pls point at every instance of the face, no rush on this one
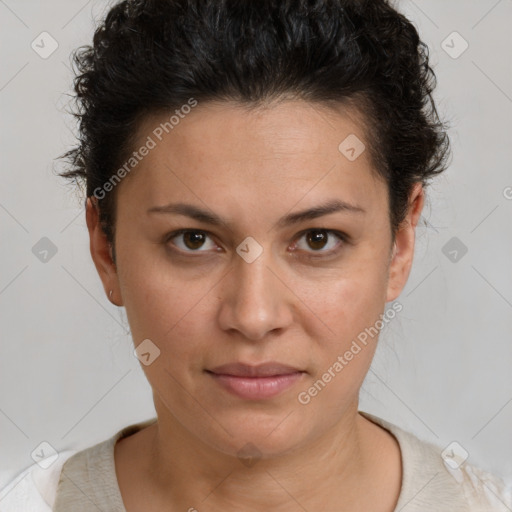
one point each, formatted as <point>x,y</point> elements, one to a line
<point>250,281</point>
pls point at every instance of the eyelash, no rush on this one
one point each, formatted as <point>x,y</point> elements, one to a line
<point>320,254</point>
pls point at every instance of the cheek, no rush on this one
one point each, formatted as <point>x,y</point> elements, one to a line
<point>155,297</point>
<point>169,320</point>
<point>351,306</point>
<point>175,309</point>
<point>350,299</point>
<point>352,309</point>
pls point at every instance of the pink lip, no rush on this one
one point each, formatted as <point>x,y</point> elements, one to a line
<point>256,382</point>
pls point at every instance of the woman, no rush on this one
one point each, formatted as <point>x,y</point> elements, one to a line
<point>255,172</point>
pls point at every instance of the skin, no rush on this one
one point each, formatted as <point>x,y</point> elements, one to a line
<point>211,307</point>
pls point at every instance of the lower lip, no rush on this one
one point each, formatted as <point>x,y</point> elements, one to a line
<point>257,388</point>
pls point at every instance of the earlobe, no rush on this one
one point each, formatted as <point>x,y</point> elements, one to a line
<point>101,250</point>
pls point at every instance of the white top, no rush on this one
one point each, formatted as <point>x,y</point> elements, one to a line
<point>85,481</point>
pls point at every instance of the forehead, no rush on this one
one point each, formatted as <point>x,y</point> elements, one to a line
<point>290,148</point>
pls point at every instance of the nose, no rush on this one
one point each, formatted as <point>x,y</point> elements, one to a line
<point>255,300</point>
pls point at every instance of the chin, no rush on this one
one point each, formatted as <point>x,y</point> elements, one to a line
<point>257,435</point>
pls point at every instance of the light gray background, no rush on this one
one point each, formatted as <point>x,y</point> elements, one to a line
<point>443,367</point>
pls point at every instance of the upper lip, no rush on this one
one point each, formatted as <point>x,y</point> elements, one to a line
<point>260,370</point>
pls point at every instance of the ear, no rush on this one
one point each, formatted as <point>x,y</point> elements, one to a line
<point>403,249</point>
<point>101,252</point>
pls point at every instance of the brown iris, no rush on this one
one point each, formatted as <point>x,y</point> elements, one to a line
<point>317,238</point>
<point>193,239</point>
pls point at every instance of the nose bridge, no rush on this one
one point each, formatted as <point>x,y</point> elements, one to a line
<point>255,302</point>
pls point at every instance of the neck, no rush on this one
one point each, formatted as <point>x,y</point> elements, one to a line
<point>194,475</point>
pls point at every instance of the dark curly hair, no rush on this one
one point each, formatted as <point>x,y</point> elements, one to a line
<point>152,56</point>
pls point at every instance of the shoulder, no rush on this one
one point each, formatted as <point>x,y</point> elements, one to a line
<point>90,476</point>
<point>485,489</point>
<point>440,478</point>
<point>35,487</point>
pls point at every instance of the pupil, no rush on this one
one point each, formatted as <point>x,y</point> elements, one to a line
<point>193,240</point>
<point>316,237</point>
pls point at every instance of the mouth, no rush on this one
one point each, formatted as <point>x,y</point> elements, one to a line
<point>256,382</point>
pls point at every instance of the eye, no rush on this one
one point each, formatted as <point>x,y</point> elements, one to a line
<point>191,240</point>
<point>319,239</point>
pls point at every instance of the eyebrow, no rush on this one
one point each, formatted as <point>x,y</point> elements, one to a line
<point>201,215</point>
